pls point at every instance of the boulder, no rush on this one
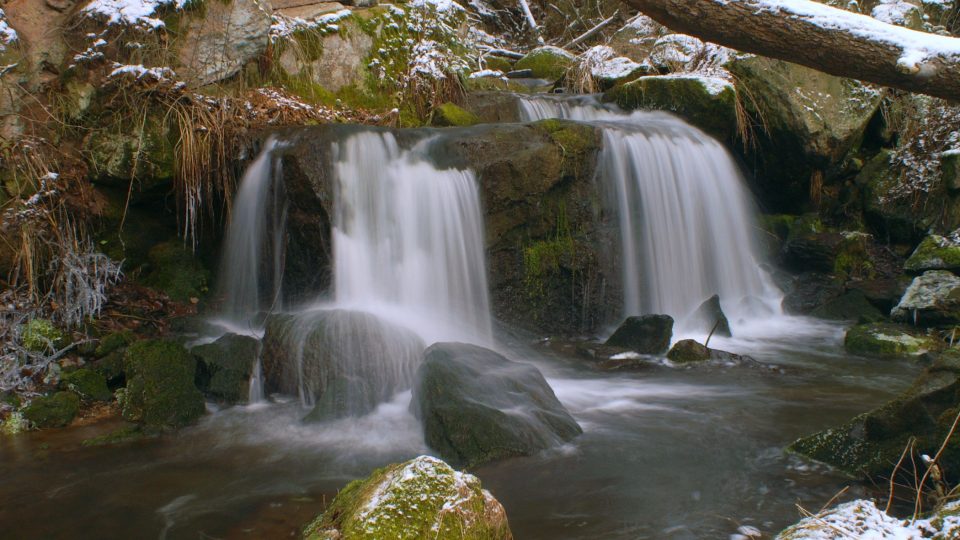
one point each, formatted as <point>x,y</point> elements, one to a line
<point>422,498</point>
<point>808,292</point>
<point>886,211</point>
<point>55,410</point>
<point>706,102</point>
<point>477,406</point>
<point>646,334</point>
<point>689,352</point>
<point>160,388</point>
<point>709,317</point>
<point>885,340</point>
<point>145,151</point>
<point>88,384</point>
<point>450,115</point>
<point>113,342</point>
<point>871,444</point>
<point>224,367</point>
<point>546,62</point>
<point>332,60</point>
<point>852,305</point>
<point>882,292</point>
<point>932,299</point>
<point>217,45</point>
<point>344,362</point>
<point>934,253</point>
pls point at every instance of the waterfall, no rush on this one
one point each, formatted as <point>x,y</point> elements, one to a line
<point>252,265</point>
<point>408,239</point>
<point>685,216</point>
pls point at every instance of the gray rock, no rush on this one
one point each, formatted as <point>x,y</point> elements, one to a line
<point>646,334</point>
<point>217,45</point>
<point>931,299</point>
<point>477,406</point>
<point>224,367</point>
<point>709,314</point>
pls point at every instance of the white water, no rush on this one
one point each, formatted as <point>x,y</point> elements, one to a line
<point>408,240</point>
<point>686,219</point>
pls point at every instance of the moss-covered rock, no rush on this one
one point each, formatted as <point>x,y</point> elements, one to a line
<point>114,342</point>
<point>142,153</point>
<point>40,335</point>
<point>225,367</point>
<point>706,102</point>
<point>88,384</point>
<point>892,215</point>
<point>177,272</point>
<point>422,498</point>
<point>160,385</point>
<point>886,340</point>
<point>932,299</point>
<point>934,253</point>
<point>546,62</point>
<point>688,350</point>
<point>450,114</point>
<point>55,410</point>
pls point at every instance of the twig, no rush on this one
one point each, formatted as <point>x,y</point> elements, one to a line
<point>712,330</point>
<point>591,32</point>
<point>934,463</point>
<point>893,475</point>
<point>531,21</point>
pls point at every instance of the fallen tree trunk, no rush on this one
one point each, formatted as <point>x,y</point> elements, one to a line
<point>820,37</point>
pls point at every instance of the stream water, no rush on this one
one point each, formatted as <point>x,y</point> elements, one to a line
<point>665,453</point>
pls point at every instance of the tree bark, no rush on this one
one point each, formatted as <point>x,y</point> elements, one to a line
<point>818,36</point>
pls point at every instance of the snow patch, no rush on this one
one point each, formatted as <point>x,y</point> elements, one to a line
<point>7,34</point>
<point>131,12</point>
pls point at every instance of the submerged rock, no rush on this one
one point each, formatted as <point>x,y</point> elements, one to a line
<point>862,519</point>
<point>871,444</point>
<point>55,410</point>
<point>934,253</point>
<point>160,388</point>
<point>886,340</point>
<point>546,62</point>
<point>931,299</point>
<point>225,367</point>
<point>477,406</point>
<point>346,362</point>
<point>688,352</point>
<point>646,334</point>
<point>422,498</point>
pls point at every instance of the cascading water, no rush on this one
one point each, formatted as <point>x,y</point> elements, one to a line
<point>685,217</point>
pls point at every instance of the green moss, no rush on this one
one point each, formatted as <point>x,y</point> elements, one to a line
<point>449,114</point>
<point>546,62</point>
<point>118,436</point>
<point>160,385</point>
<point>225,367</point>
<point>39,335</point>
<point>56,410</point>
<point>498,63</point>
<point>14,423</point>
<point>88,384</point>
<point>544,258</point>
<point>114,341</point>
<point>688,350</point>
<point>175,271</point>
<point>886,340</point>
<point>853,258</point>
<point>934,253</point>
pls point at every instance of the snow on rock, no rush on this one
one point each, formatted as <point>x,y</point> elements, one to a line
<point>140,72</point>
<point>715,85</point>
<point>131,12</point>
<point>7,34</point>
<point>862,519</point>
<point>284,26</point>
<point>918,50</point>
<point>487,73</point>
<point>896,12</point>
<point>603,63</point>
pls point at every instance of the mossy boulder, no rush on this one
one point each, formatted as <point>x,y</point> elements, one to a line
<point>934,253</point>
<point>871,444</point>
<point>160,388</point>
<point>932,299</point>
<point>706,102</point>
<point>55,410</point>
<point>142,153</point>
<point>469,401</point>
<point>546,62</point>
<point>113,342</point>
<point>852,305</point>
<point>176,271</point>
<point>87,383</point>
<point>40,335</point>
<point>422,498</point>
<point>646,334</point>
<point>450,114</point>
<point>688,350</point>
<point>885,340</point>
<point>225,367</point>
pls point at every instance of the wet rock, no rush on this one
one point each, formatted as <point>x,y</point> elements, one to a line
<point>477,406</point>
<point>449,114</point>
<point>646,334</point>
<point>706,102</point>
<point>349,361</point>
<point>870,444</point>
<point>217,45</point>
<point>160,388</point>
<point>934,253</point>
<point>883,293</point>
<point>850,306</point>
<point>887,340</point>
<point>688,350</point>
<point>55,410</point>
<point>932,299</point>
<point>88,384</point>
<point>710,317</point>
<point>546,62</point>
<point>494,107</point>
<point>810,291</point>
<point>225,366</point>
<point>422,498</point>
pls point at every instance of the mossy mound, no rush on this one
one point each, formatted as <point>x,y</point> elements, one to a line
<point>934,253</point>
<point>225,367</point>
<point>688,350</point>
<point>177,272</point>
<point>546,62</point>
<point>449,115</point>
<point>55,410</point>
<point>886,340</point>
<point>40,335</point>
<point>160,385</point>
<point>113,342</point>
<point>88,384</point>
<point>422,498</point>
<point>705,102</point>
